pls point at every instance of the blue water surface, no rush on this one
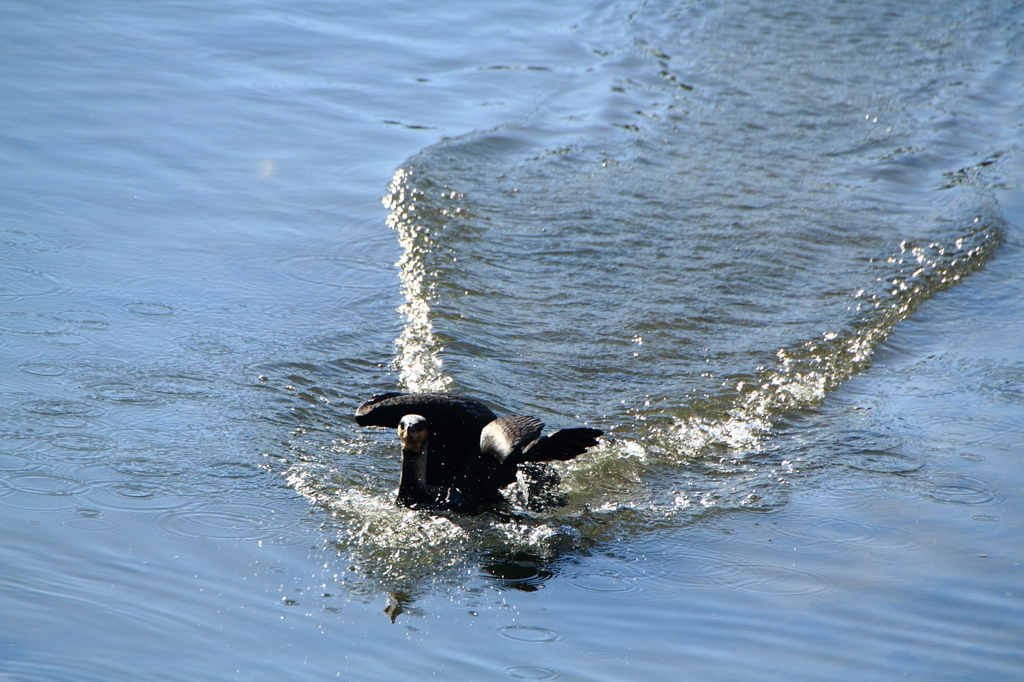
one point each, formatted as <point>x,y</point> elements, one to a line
<point>773,250</point>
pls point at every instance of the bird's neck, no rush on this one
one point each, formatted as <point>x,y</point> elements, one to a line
<point>412,487</point>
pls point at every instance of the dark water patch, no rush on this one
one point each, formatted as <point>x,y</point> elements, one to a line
<point>520,572</point>
<point>306,395</point>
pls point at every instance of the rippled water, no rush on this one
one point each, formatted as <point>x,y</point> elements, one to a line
<point>772,250</point>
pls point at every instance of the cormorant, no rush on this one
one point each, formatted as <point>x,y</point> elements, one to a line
<point>457,454</point>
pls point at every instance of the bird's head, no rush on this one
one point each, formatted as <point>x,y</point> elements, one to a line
<point>413,432</point>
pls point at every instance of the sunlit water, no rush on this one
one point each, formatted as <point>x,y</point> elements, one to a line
<point>772,250</point>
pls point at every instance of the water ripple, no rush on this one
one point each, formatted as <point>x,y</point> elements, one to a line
<point>27,242</point>
<point>53,407</point>
<point>9,462</point>
<point>91,520</point>
<point>602,655</point>
<point>235,470</point>
<point>151,309</point>
<point>975,430</point>
<point>701,570</point>
<point>86,319</point>
<point>776,579</point>
<point>42,491</point>
<point>39,483</point>
<point>841,531</point>
<point>180,384</point>
<point>82,442</point>
<point>42,369</point>
<point>604,582</point>
<point>882,462</point>
<point>136,496</point>
<point>120,392</point>
<point>529,634</point>
<point>531,673</point>
<point>958,489</point>
<point>19,282</point>
<point>104,171</point>
<point>32,324</point>
<point>146,466</point>
<point>330,271</point>
<point>221,521</point>
<point>877,452</point>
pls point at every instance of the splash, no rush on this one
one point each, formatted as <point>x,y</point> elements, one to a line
<point>806,373</point>
<point>418,360</point>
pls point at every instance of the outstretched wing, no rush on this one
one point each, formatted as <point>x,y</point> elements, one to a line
<point>562,445</point>
<point>505,439</point>
<point>516,439</point>
<point>387,409</point>
<point>454,421</point>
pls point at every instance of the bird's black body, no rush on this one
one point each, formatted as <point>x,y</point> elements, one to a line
<point>469,453</point>
<point>455,425</point>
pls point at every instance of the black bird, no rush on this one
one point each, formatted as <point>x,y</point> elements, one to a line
<point>457,454</point>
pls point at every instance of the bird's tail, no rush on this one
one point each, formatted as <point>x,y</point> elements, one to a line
<point>562,445</point>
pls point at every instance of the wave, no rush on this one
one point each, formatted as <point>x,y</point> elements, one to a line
<point>721,244</point>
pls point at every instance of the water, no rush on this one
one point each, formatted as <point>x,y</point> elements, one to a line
<point>775,253</point>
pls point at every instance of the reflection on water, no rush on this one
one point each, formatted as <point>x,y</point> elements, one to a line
<point>519,571</point>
